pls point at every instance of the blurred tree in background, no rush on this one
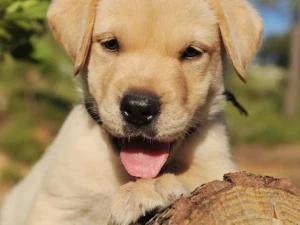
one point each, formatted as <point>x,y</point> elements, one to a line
<point>291,94</point>
<point>36,91</point>
<point>20,23</point>
<point>274,50</point>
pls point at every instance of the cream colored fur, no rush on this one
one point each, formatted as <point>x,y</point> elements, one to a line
<point>80,180</point>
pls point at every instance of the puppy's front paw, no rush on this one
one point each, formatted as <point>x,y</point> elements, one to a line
<point>135,199</point>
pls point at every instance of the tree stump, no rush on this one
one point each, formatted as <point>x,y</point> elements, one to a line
<point>241,198</point>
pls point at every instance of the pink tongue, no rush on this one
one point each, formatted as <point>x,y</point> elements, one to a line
<point>142,159</point>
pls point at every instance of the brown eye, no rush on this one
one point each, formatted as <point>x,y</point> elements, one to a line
<point>191,52</point>
<point>111,45</point>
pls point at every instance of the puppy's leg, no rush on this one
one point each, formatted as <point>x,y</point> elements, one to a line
<point>134,199</point>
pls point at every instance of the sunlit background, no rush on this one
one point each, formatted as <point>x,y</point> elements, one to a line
<point>37,90</point>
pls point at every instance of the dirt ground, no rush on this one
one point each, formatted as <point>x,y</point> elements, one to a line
<point>279,161</point>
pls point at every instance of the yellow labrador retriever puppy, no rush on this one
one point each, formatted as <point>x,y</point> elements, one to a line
<point>151,127</point>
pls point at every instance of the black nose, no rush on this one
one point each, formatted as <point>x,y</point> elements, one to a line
<point>140,108</point>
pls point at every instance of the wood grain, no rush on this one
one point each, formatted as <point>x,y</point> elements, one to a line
<point>241,198</point>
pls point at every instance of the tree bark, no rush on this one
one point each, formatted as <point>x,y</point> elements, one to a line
<point>291,93</point>
<point>240,198</point>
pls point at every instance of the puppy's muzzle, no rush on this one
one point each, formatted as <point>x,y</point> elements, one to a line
<point>140,109</point>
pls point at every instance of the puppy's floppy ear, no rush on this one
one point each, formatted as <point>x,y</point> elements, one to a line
<point>241,29</point>
<point>72,23</point>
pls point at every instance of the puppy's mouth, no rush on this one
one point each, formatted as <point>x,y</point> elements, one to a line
<point>142,157</point>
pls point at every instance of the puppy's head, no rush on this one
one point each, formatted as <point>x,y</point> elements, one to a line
<point>153,69</point>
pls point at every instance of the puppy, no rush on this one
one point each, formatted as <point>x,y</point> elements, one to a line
<point>151,127</point>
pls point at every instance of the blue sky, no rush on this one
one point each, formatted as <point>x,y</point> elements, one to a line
<point>276,20</point>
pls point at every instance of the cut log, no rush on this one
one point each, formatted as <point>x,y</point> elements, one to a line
<point>241,198</point>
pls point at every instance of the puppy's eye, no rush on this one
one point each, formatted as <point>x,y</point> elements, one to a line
<point>111,45</point>
<point>191,52</point>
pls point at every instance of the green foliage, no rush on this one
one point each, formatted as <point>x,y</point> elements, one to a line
<point>11,175</point>
<point>20,21</point>
<point>34,100</point>
<point>20,143</point>
<point>262,97</point>
<point>275,50</point>
<point>295,2</point>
